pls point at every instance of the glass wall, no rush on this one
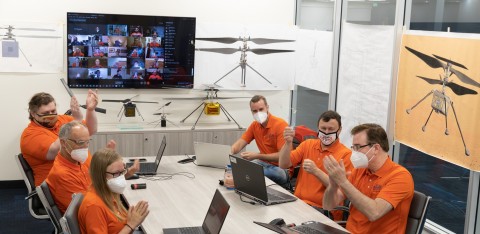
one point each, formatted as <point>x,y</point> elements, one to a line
<point>446,183</point>
<point>444,15</point>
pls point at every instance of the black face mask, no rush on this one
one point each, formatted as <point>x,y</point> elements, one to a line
<point>47,121</point>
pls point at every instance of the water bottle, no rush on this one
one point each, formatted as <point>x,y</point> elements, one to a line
<point>228,178</point>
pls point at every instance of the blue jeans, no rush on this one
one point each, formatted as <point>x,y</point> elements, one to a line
<point>276,174</point>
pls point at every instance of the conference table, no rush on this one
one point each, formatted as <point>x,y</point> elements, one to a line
<point>180,194</point>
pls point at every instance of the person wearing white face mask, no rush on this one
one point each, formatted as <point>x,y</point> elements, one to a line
<point>312,178</point>
<point>69,173</point>
<point>101,210</point>
<point>267,131</point>
<point>380,191</point>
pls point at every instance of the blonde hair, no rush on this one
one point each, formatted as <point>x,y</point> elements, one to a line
<point>98,168</point>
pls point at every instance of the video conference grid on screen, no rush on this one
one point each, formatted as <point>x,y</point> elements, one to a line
<point>130,51</point>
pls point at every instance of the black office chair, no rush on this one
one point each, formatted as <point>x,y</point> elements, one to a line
<point>52,209</point>
<point>293,178</point>
<point>418,213</point>
<point>34,204</point>
<point>69,221</point>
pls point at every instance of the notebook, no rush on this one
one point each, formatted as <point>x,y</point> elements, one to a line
<point>211,155</point>
<point>313,227</point>
<point>250,182</point>
<point>214,219</point>
<point>150,168</point>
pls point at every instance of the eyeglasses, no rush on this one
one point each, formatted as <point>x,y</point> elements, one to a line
<point>358,147</point>
<point>117,174</point>
<point>80,142</point>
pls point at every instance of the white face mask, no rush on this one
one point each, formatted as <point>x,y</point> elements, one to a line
<point>260,117</point>
<point>327,139</point>
<point>80,155</point>
<point>117,184</point>
<point>360,160</point>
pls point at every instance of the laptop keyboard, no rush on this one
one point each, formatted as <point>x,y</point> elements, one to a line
<point>145,167</point>
<point>274,195</point>
<point>191,230</point>
<point>308,230</point>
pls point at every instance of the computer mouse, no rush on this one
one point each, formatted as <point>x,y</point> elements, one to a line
<point>278,222</point>
<point>133,177</point>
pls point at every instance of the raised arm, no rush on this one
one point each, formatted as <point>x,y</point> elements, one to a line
<point>238,146</point>
<point>284,153</point>
<point>91,117</point>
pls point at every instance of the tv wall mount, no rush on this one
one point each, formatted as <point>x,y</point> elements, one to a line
<point>243,53</point>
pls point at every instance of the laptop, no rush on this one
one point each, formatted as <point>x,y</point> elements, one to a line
<point>150,168</point>
<point>250,182</point>
<point>313,227</point>
<point>214,219</point>
<point>211,155</point>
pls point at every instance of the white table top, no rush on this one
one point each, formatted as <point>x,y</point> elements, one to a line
<point>183,202</point>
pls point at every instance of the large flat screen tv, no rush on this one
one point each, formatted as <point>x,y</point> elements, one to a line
<point>130,51</point>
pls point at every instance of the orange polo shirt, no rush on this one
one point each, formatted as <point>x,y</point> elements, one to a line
<point>95,217</point>
<point>269,139</point>
<point>308,187</point>
<point>34,144</point>
<point>66,178</point>
<point>394,184</point>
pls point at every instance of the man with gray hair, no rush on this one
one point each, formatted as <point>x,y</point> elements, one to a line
<point>69,173</point>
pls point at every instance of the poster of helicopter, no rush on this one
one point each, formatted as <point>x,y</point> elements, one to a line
<point>31,47</point>
<point>244,57</point>
<point>437,98</point>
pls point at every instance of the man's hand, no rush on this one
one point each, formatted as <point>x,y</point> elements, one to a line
<point>310,166</point>
<point>75,109</point>
<point>249,155</point>
<point>136,214</point>
<point>133,169</point>
<point>336,171</point>
<point>92,100</point>
<point>112,144</point>
<point>288,134</point>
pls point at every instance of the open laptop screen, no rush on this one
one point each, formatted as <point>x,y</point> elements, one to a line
<point>216,214</point>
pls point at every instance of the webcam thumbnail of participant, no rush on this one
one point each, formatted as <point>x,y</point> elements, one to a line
<point>136,53</point>
<point>97,63</point>
<point>155,52</point>
<point>77,73</point>
<point>136,31</point>
<point>98,51</point>
<point>154,63</point>
<point>98,73</point>
<point>117,30</point>
<point>136,74</point>
<point>77,51</point>
<point>117,51</point>
<point>117,62</point>
<point>117,41</point>
<point>136,41</point>
<point>77,62</point>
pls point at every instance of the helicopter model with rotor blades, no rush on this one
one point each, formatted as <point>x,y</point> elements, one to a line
<point>129,107</point>
<point>441,101</point>
<point>243,55</point>
<point>210,104</point>
<point>11,47</point>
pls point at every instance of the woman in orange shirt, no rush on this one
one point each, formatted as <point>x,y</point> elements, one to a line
<point>101,210</point>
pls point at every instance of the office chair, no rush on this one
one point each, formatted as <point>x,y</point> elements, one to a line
<point>52,209</point>
<point>69,221</point>
<point>34,204</point>
<point>418,213</point>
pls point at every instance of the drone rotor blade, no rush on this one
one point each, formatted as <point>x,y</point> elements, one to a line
<point>460,90</point>
<point>226,40</point>
<point>429,60</point>
<point>186,98</point>
<point>262,41</point>
<point>450,61</point>
<point>144,102</point>
<point>111,100</point>
<point>35,36</point>
<point>268,51</point>
<point>464,78</point>
<point>430,81</point>
<point>219,50</point>
<point>36,29</point>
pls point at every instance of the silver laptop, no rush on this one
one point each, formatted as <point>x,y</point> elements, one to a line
<point>150,168</point>
<point>211,155</point>
<point>214,219</point>
<point>249,181</point>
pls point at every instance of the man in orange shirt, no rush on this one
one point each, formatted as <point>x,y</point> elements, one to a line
<point>69,173</point>
<point>267,131</point>
<point>380,191</point>
<point>312,178</point>
<point>39,142</point>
